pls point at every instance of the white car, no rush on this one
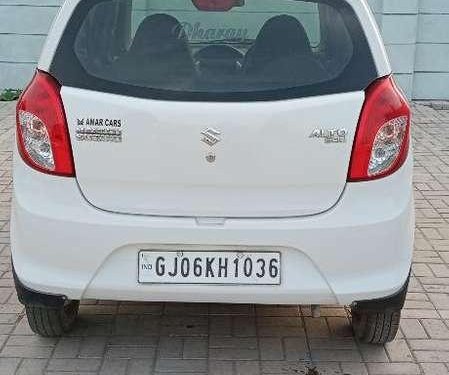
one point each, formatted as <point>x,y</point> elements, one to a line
<point>229,151</point>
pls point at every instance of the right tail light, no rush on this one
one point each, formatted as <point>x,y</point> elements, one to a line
<point>382,139</point>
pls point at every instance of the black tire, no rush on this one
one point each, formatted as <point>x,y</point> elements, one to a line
<point>51,321</point>
<point>375,327</point>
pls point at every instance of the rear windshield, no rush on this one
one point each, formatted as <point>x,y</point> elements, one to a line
<point>214,49</point>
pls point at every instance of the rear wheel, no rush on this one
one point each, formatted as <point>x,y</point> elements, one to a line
<point>377,321</point>
<point>375,327</point>
<point>52,321</point>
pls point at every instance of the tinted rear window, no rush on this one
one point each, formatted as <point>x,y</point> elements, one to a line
<point>256,50</point>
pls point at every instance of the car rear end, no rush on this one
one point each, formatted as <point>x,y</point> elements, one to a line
<point>228,151</point>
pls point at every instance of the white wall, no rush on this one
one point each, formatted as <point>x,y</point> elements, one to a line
<point>23,27</point>
<point>416,33</point>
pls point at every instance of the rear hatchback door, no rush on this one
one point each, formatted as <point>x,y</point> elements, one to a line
<point>243,112</point>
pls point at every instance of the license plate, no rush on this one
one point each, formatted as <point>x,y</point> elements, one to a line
<point>201,267</point>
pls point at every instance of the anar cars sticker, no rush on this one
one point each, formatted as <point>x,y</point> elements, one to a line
<point>99,130</point>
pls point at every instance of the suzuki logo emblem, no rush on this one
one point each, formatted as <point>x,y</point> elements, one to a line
<point>211,136</point>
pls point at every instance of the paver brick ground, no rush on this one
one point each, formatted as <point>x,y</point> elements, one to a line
<point>156,338</point>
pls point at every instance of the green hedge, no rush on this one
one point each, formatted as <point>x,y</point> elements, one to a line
<point>9,95</point>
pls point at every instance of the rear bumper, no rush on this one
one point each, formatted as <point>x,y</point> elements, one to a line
<point>359,250</point>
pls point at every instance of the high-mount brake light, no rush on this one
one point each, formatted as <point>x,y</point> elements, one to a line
<point>382,139</point>
<point>42,135</point>
<point>216,5</point>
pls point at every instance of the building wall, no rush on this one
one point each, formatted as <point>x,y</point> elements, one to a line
<point>416,34</point>
<point>431,79</point>
<point>23,27</point>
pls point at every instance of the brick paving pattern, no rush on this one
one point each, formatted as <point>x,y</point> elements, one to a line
<point>155,338</point>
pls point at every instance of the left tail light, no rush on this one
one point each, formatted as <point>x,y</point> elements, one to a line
<point>42,134</point>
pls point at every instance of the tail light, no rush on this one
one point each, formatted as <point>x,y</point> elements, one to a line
<point>42,134</point>
<point>382,140</point>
